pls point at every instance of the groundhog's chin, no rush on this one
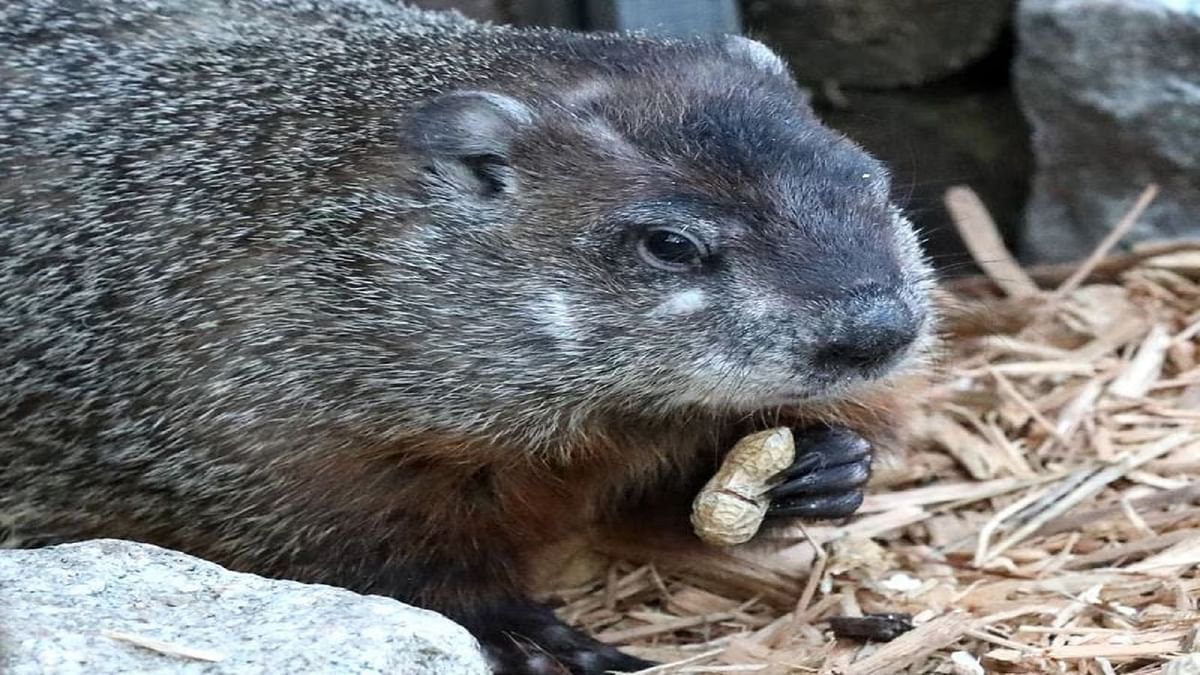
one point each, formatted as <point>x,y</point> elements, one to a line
<point>817,389</point>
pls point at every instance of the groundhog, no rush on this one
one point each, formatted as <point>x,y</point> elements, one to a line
<point>347,292</point>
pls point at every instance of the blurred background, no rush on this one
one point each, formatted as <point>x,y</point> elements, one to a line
<point>1057,113</point>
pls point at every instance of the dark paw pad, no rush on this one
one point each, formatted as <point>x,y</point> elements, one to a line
<point>530,640</point>
<point>827,479</point>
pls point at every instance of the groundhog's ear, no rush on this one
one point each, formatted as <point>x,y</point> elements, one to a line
<point>468,136</point>
<point>755,53</point>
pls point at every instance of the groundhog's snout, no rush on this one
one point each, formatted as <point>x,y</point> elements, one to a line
<point>873,330</point>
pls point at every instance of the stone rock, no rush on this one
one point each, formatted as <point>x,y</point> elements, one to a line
<point>109,606</point>
<point>878,43</point>
<point>1112,91</point>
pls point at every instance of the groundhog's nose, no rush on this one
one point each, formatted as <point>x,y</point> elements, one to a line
<point>877,326</point>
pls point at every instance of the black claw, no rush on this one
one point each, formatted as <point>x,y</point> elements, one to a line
<point>841,478</point>
<point>530,640</point>
<point>804,465</point>
<point>832,466</point>
<point>837,505</point>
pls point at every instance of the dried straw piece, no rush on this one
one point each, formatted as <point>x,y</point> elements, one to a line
<point>1087,488</point>
<point>1119,230</point>
<point>1146,367</point>
<point>983,240</point>
<point>914,646</point>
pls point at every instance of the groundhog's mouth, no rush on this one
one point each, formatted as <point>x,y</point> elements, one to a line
<point>782,401</point>
<point>817,387</point>
<point>829,389</point>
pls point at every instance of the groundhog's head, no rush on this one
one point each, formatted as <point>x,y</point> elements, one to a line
<point>669,227</point>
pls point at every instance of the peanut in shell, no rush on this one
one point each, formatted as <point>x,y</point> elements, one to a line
<point>730,508</point>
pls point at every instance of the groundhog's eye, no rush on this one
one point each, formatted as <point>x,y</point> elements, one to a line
<point>672,250</point>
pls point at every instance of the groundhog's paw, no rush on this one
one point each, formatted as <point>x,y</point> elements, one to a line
<point>827,479</point>
<point>531,640</point>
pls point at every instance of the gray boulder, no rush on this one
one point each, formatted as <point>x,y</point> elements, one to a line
<point>110,606</point>
<point>1112,91</point>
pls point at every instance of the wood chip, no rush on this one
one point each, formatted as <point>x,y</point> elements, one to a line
<point>913,647</point>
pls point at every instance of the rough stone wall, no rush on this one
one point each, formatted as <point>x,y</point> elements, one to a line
<point>1112,90</point>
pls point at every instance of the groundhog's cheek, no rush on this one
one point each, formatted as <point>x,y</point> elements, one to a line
<point>682,303</point>
<point>557,316</point>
